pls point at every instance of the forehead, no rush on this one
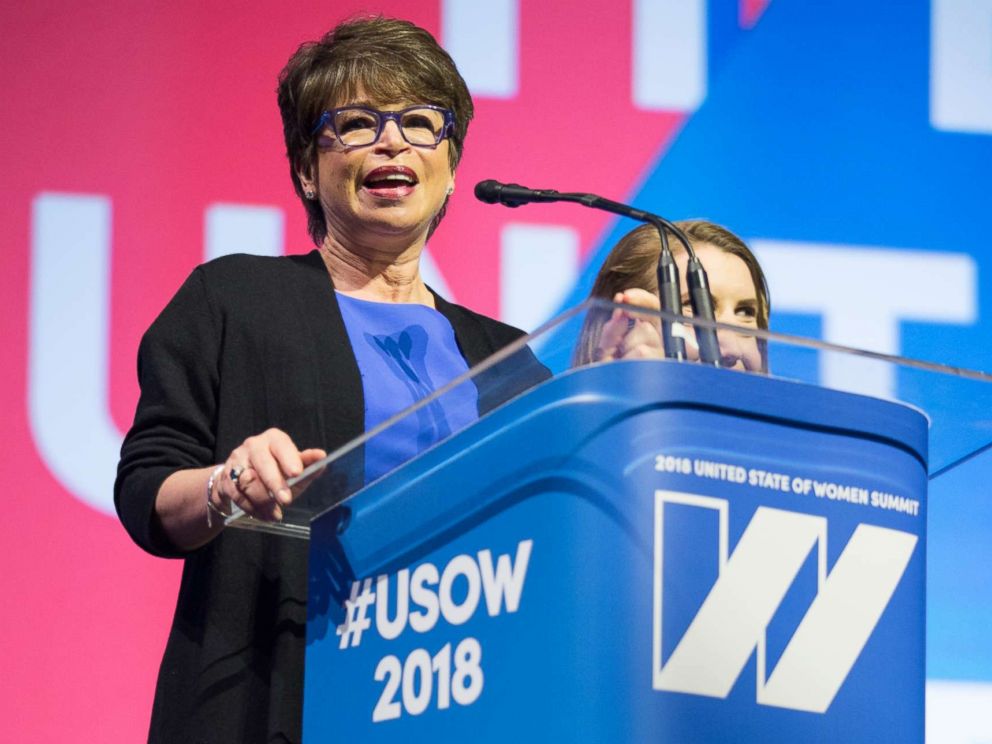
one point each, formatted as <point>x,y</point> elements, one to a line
<point>376,105</point>
<point>728,273</point>
<point>357,93</point>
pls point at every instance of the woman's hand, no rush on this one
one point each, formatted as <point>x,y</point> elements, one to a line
<point>190,504</point>
<point>628,335</point>
<point>255,474</point>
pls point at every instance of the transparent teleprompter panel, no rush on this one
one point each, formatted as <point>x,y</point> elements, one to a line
<point>958,402</point>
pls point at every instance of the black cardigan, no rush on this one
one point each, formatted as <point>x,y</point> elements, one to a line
<point>249,343</point>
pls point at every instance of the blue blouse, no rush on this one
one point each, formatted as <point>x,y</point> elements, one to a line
<point>405,352</point>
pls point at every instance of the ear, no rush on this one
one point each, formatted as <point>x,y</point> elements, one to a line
<point>307,180</point>
<point>306,171</point>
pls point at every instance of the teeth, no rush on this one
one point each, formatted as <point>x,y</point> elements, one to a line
<point>393,177</point>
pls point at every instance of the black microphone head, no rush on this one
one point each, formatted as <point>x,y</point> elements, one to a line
<point>488,191</point>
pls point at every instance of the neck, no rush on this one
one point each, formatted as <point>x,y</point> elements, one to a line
<point>376,275</point>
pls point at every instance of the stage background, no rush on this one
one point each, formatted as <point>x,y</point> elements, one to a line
<point>141,138</point>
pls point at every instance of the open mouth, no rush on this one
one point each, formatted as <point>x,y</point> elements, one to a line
<point>390,181</point>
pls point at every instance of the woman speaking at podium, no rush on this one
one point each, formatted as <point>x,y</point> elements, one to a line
<point>258,366</point>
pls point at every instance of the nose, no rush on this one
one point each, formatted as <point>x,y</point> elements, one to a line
<point>731,348</point>
<point>391,138</point>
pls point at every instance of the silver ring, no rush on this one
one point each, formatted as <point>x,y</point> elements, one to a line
<point>235,473</point>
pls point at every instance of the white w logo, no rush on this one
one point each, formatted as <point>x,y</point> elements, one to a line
<point>753,581</point>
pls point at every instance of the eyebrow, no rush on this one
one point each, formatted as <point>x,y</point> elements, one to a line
<point>377,106</point>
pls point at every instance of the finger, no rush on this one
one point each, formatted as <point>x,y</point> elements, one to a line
<point>640,298</point>
<point>309,457</point>
<point>644,351</point>
<point>253,498</point>
<point>246,476</point>
<point>265,510</point>
<point>251,487</point>
<point>647,332</point>
<point>234,476</point>
<point>285,453</point>
<point>270,476</point>
<point>642,334</point>
<point>238,474</point>
<point>240,484</point>
<point>242,501</point>
<point>613,331</point>
<point>646,301</point>
<point>274,456</point>
<point>312,455</point>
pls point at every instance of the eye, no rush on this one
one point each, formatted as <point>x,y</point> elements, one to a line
<point>418,121</point>
<point>423,120</point>
<point>747,312</point>
<point>353,121</point>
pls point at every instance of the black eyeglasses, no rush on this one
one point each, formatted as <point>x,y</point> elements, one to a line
<point>358,126</point>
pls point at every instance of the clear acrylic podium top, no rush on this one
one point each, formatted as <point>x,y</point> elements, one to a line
<point>957,402</point>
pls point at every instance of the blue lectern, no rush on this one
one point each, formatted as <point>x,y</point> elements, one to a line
<point>633,552</point>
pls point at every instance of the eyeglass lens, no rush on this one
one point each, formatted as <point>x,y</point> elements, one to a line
<point>419,126</point>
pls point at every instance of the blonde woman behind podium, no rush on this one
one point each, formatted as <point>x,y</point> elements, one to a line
<point>628,276</point>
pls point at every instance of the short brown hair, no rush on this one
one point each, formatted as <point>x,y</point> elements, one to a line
<point>388,60</point>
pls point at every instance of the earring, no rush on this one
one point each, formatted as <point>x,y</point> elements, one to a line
<point>310,194</point>
<point>450,191</point>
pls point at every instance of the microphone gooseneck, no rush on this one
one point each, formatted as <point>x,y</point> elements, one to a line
<point>669,296</point>
<point>702,307</point>
<point>669,291</point>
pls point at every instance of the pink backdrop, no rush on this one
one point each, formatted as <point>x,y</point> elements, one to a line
<point>165,109</point>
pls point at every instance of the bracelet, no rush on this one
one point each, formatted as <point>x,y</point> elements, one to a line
<point>210,504</point>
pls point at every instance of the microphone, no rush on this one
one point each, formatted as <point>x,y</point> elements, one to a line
<point>512,194</point>
<point>669,294</point>
<point>669,297</point>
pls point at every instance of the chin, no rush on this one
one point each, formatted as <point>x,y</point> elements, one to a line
<point>398,227</point>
